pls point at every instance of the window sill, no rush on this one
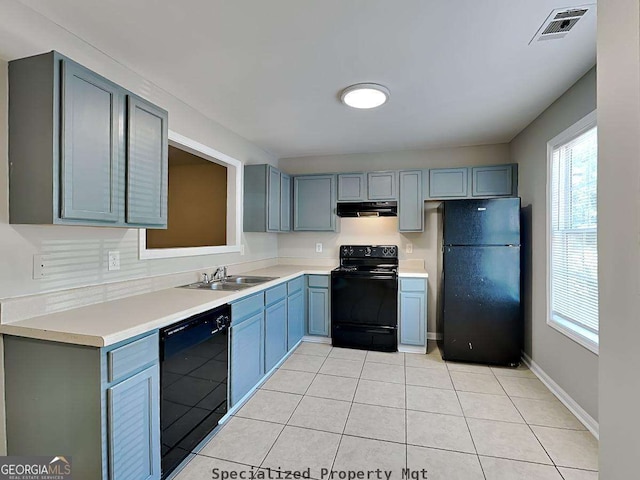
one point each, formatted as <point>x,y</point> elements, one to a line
<point>582,336</point>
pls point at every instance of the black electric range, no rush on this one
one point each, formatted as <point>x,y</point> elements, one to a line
<point>364,298</point>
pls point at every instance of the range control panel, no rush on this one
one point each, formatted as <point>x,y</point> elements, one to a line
<point>364,251</point>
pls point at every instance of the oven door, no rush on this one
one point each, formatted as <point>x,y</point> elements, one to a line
<point>361,299</point>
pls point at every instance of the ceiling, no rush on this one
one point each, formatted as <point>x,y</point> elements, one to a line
<point>460,72</point>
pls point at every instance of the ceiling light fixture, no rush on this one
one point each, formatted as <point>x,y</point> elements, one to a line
<point>365,95</point>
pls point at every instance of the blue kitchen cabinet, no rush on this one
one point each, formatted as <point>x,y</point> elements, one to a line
<point>314,203</point>
<point>382,186</point>
<point>411,202</point>
<point>275,320</point>
<point>492,181</point>
<point>267,199</point>
<point>247,355</point>
<point>295,312</point>
<point>100,406</point>
<point>448,182</point>
<point>285,202</point>
<point>352,187</point>
<point>413,311</point>
<point>134,427</point>
<point>318,305</point>
<point>147,163</point>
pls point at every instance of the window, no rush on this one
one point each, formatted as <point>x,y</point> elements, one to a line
<point>573,226</point>
<point>226,173</point>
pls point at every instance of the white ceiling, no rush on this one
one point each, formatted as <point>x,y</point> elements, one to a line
<point>460,72</point>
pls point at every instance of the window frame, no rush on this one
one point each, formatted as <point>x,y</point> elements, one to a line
<point>577,333</point>
<point>234,205</point>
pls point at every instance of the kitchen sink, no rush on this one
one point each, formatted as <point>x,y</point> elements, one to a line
<point>246,279</point>
<point>232,283</point>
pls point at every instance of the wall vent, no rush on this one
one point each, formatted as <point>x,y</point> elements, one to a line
<point>559,22</point>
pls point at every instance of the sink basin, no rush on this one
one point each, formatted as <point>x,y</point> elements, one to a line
<point>246,279</point>
<point>232,283</point>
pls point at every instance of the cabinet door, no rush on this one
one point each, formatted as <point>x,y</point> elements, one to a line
<point>285,203</point>
<point>351,187</point>
<point>319,311</point>
<point>147,164</point>
<point>492,181</point>
<point>275,343</point>
<point>314,203</point>
<point>134,427</point>
<point>90,166</point>
<point>247,356</point>
<point>273,200</point>
<point>295,319</point>
<point>411,204</point>
<point>381,186</point>
<point>412,318</point>
<point>448,182</point>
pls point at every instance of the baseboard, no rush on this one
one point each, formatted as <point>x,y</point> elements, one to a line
<point>434,336</point>
<point>411,349</point>
<point>587,420</point>
<point>315,339</point>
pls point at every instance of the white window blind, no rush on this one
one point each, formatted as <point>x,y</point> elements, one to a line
<point>574,247</point>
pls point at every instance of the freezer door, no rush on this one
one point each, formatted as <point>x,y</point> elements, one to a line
<point>482,319</point>
<point>482,222</point>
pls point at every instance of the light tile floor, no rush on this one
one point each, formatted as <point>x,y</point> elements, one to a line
<point>337,409</point>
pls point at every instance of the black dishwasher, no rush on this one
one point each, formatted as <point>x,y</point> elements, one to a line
<point>193,383</point>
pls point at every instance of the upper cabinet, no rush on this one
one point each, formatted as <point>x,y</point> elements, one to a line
<point>82,150</point>
<point>382,185</point>
<point>477,182</point>
<point>267,199</point>
<point>411,203</point>
<point>352,187</point>
<point>314,203</point>
<point>448,182</point>
<point>492,181</point>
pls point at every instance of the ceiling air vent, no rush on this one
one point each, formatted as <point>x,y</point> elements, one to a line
<point>559,22</point>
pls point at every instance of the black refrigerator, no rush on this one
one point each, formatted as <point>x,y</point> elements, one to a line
<point>480,309</point>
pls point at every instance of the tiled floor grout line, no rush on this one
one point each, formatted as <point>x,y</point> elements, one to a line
<point>294,410</point>
<point>355,391</point>
<point>466,422</point>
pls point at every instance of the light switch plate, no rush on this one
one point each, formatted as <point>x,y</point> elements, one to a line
<point>409,248</point>
<point>318,248</point>
<point>114,260</point>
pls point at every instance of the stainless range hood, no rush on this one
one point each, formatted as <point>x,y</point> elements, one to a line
<point>368,209</point>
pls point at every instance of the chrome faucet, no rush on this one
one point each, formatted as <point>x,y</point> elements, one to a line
<point>220,274</point>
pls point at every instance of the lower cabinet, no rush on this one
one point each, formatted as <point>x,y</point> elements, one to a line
<point>247,355</point>
<point>413,312</point>
<point>101,406</point>
<point>275,343</point>
<point>295,312</point>
<point>134,427</point>
<point>318,305</point>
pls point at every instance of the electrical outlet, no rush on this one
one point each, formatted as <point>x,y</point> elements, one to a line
<point>39,267</point>
<point>114,260</point>
<point>409,248</point>
<point>318,248</point>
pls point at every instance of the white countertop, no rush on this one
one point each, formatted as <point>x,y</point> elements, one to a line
<point>104,324</point>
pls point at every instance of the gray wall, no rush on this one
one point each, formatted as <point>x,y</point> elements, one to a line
<point>385,230</point>
<point>569,364</point>
<point>619,235</point>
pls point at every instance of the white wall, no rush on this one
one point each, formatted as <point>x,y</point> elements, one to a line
<point>619,235</point>
<point>569,364</point>
<point>76,256</point>
<point>385,230</point>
